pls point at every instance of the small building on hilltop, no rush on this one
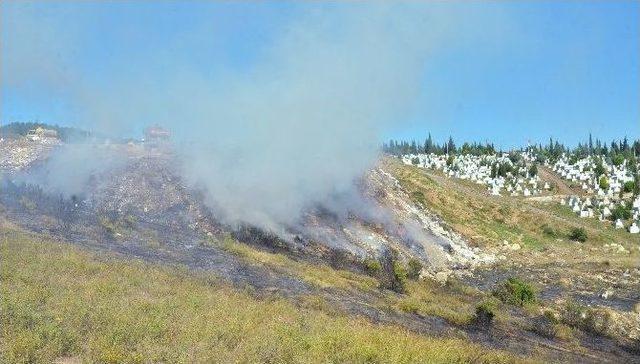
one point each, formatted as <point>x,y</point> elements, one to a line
<point>41,133</point>
<point>156,134</point>
<point>156,137</point>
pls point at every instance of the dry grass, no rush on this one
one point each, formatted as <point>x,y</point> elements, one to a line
<point>425,297</point>
<point>60,303</point>
<point>487,221</point>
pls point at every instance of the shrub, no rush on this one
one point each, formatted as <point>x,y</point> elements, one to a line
<point>415,267</point>
<point>514,157</point>
<point>599,169</point>
<point>515,291</point>
<point>597,321</point>
<point>604,183</point>
<point>393,274</point>
<point>372,266</point>
<point>548,230</point>
<point>533,170</point>
<point>617,159</point>
<point>129,221</point>
<point>586,318</point>
<point>107,225</point>
<point>415,161</point>
<point>409,306</point>
<point>620,212</point>
<point>450,161</point>
<point>629,186</point>
<point>485,312</point>
<point>399,277</point>
<point>578,234</point>
<point>545,325</point>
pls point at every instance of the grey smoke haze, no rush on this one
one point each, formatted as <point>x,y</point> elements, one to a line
<point>69,170</point>
<point>296,126</point>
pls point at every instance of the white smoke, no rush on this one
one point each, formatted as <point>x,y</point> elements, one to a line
<point>294,128</point>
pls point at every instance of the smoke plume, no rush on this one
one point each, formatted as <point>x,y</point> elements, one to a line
<point>294,127</point>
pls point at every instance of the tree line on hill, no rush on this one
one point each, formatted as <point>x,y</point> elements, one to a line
<point>65,133</point>
<point>400,147</point>
<point>616,150</point>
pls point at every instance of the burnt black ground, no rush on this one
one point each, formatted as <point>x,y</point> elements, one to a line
<point>183,247</point>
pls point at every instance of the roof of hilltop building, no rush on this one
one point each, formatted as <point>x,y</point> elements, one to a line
<point>42,132</point>
<point>156,132</point>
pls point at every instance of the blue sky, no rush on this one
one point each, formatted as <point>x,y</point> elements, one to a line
<point>519,71</point>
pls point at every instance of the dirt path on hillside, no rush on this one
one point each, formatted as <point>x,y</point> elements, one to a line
<point>563,187</point>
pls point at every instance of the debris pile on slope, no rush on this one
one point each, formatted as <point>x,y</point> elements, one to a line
<point>18,154</point>
<point>433,230</point>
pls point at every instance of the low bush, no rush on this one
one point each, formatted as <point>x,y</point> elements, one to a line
<point>578,234</point>
<point>629,186</point>
<point>485,312</point>
<point>549,231</point>
<point>546,324</point>
<point>604,183</point>
<point>409,306</point>
<point>400,277</point>
<point>372,266</point>
<point>414,269</point>
<point>393,274</point>
<point>621,212</point>
<point>589,319</point>
<point>515,292</point>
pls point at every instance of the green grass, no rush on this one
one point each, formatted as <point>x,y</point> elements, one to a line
<point>454,304</point>
<point>57,301</point>
<point>487,221</point>
<point>516,292</point>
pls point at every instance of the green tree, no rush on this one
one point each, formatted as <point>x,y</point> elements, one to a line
<point>604,183</point>
<point>617,159</point>
<point>629,186</point>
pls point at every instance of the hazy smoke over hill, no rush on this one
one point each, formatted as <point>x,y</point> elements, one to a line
<point>296,126</point>
<point>305,122</point>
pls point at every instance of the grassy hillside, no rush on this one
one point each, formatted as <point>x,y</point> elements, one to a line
<point>60,303</point>
<point>488,220</point>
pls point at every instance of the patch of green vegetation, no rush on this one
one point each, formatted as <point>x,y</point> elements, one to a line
<point>603,183</point>
<point>629,186</point>
<point>428,298</point>
<point>418,196</point>
<point>409,306</point>
<point>399,281</point>
<point>549,325</point>
<point>549,231</point>
<point>414,269</point>
<point>57,301</point>
<point>515,291</point>
<point>532,243</point>
<point>109,226</point>
<point>621,212</point>
<point>595,320</point>
<point>485,312</point>
<point>578,234</point>
<point>372,266</point>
